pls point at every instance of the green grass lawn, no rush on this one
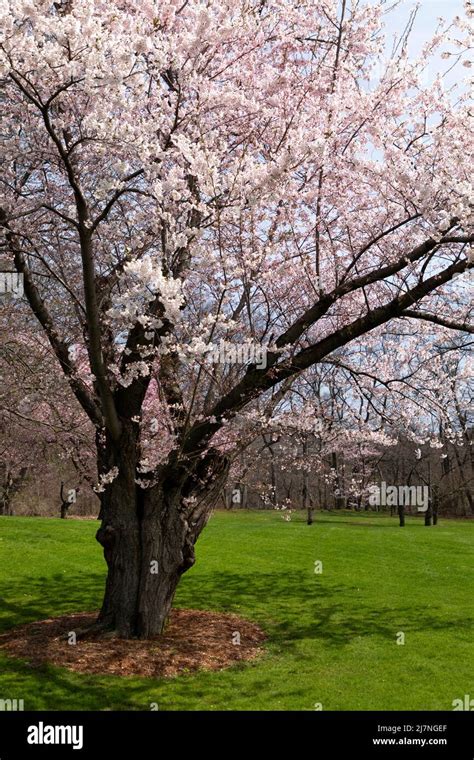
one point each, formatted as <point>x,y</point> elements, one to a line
<point>332,636</point>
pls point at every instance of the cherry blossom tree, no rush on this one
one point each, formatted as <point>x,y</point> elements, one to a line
<point>348,424</point>
<point>184,178</point>
<point>42,426</point>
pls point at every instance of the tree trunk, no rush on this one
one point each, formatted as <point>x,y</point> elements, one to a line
<point>5,501</point>
<point>339,499</point>
<point>435,505</point>
<point>147,550</point>
<point>148,537</point>
<point>305,492</point>
<point>273,481</point>
<point>401,515</point>
<point>64,503</point>
<point>10,486</point>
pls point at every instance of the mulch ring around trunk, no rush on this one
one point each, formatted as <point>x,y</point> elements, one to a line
<point>193,640</point>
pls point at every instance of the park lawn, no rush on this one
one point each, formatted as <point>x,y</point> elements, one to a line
<point>332,635</point>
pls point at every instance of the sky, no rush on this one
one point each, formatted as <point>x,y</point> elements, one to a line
<point>426,21</point>
<point>425,26</point>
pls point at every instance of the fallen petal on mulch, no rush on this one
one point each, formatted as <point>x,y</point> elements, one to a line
<point>193,640</point>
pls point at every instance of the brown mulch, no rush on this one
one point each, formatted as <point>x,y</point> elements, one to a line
<point>193,640</point>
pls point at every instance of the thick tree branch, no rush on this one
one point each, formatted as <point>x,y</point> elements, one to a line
<point>463,326</point>
<point>112,421</point>
<point>256,382</point>
<point>115,197</point>
<point>85,238</point>
<point>59,346</point>
<point>322,306</point>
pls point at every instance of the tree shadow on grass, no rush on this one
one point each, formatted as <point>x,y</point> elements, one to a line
<point>39,597</point>
<point>46,687</point>
<point>290,606</point>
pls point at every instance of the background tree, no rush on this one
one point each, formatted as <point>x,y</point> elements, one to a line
<point>44,434</point>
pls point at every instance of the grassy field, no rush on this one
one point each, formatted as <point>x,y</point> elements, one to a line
<point>332,635</point>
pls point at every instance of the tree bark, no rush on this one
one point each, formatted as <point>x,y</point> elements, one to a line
<point>305,491</point>
<point>9,487</point>
<point>148,536</point>
<point>64,503</point>
<point>339,499</point>
<point>273,481</point>
<point>147,549</point>
<point>435,504</point>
